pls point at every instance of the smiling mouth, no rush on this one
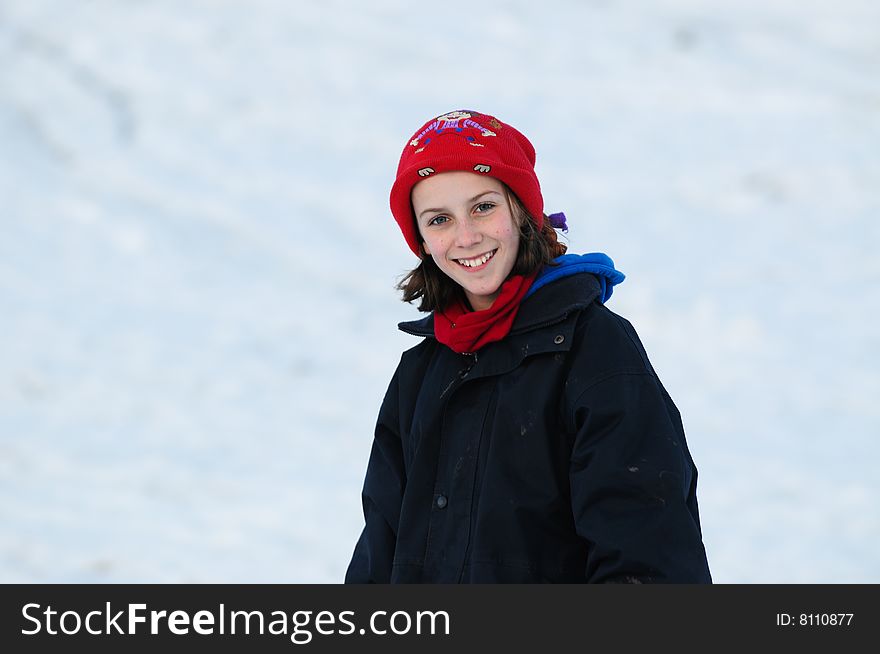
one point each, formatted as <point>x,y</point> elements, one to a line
<point>477,261</point>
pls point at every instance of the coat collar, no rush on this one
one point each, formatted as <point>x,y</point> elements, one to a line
<point>551,304</point>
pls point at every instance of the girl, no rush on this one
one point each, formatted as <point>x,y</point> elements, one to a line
<point>527,437</point>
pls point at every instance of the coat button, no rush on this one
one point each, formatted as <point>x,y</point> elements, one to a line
<point>441,501</point>
<point>559,338</point>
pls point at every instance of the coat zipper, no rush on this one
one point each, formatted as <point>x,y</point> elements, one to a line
<point>465,371</point>
<point>462,373</point>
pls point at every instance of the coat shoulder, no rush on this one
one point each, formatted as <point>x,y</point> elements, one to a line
<point>606,345</point>
<point>415,361</point>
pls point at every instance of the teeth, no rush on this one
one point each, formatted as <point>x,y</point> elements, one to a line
<point>479,261</point>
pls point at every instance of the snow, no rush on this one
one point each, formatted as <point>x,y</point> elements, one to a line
<point>197,262</point>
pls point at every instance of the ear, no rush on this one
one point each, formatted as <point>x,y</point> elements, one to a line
<point>426,248</point>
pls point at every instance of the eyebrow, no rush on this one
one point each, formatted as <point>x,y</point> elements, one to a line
<point>473,199</point>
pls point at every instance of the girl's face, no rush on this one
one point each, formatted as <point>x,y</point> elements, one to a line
<point>467,228</point>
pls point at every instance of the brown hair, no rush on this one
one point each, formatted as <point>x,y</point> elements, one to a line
<point>537,248</point>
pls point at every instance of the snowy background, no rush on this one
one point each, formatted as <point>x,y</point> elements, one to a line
<point>197,261</point>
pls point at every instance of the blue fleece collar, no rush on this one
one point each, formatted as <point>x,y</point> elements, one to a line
<point>596,263</point>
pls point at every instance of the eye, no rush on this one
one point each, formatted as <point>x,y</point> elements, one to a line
<point>438,220</point>
<point>483,207</point>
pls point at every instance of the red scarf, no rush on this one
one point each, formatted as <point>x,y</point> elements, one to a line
<point>467,331</point>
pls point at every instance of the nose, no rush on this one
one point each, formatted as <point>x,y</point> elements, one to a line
<point>466,234</point>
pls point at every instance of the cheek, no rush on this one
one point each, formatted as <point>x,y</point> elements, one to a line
<point>511,238</point>
<point>435,247</point>
<point>507,234</point>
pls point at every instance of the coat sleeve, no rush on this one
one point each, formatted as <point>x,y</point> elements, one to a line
<point>633,484</point>
<point>382,496</point>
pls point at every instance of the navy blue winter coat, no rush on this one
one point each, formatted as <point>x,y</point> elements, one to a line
<point>554,455</point>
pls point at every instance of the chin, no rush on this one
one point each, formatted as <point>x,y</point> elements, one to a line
<point>482,294</point>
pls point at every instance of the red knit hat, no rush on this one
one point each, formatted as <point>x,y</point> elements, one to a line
<point>470,141</point>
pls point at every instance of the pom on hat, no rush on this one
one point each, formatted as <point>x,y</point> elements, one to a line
<point>469,141</point>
